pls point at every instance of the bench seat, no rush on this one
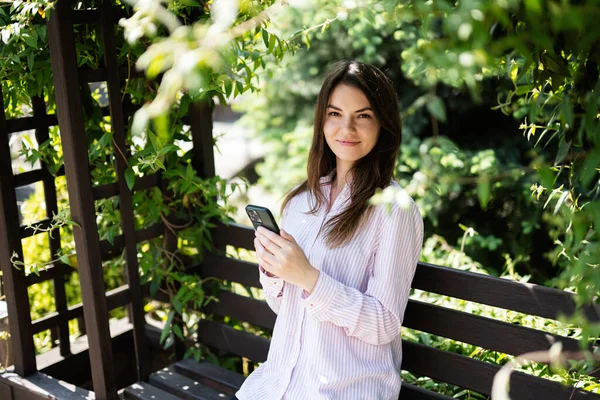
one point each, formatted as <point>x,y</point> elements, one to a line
<point>190,380</point>
<point>420,359</point>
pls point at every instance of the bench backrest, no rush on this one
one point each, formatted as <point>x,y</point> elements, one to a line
<point>419,359</point>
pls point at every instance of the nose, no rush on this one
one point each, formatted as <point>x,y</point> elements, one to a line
<point>349,125</point>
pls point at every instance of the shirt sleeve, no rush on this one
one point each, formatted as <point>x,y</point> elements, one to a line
<point>272,289</point>
<point>376,315</point>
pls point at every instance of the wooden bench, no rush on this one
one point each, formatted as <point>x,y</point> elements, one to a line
<point>190,380</point>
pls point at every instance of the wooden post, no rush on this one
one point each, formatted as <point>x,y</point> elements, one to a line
<point>201,127</point>
<point>136,307</point>
<point>15,283</point>
<point>77,171</point>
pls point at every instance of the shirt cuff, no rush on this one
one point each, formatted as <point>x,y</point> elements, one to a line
<point>272,284</point>
<point>322,296</point>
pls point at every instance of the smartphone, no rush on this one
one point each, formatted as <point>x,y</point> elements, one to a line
<point>262,216</point>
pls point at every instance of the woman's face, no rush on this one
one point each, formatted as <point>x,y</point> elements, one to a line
<point>351,128</point>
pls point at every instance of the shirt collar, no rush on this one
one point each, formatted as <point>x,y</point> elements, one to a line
<point>327,178</point>
<point>344,194</point>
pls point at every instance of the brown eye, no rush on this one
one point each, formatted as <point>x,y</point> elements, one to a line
<point>334,113</point>
<point>364,116</point>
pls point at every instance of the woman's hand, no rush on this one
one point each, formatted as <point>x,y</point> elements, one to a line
<point>281,256</point>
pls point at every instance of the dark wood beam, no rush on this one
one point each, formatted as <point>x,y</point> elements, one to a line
<point>77,171</point>
<point>201,125</point>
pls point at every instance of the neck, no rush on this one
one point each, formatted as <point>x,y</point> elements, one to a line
<point>342,175</point>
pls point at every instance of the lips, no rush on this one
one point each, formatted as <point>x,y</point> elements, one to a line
<point>347,142</point>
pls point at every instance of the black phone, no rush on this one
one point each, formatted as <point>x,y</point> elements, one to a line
<point>262,216</point>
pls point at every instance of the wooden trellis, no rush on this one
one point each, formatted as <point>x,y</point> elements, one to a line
<point>91,251</point>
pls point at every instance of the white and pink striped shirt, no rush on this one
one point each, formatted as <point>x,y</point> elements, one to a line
<point>343,340</point>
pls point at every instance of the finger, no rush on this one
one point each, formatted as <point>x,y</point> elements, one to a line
<point>271,247</point>
<point>272,236</point>
<point>263,254</point>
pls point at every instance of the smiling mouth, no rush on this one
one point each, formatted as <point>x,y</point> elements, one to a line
<point>347,142</point>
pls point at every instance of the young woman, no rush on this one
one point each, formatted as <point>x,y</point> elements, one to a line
<point>339,275</point>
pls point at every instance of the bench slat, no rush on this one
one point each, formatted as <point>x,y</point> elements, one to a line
<point>480,331</point>
<point>145,391</point>
<point>236,235</point>
<point>207,373</point>
<point>255,312</point>
<point>503,293</point>
<point>230,269</point>
<point>237,342</point>
<point>413,392</point>
<point>478,375</point>
<point>484,289</point>
<point>183,387</point>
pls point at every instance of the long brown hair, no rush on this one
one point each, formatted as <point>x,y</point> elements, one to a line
<point>375,170</point>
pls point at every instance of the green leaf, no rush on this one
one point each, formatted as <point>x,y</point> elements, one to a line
<point>167,329</point>
<point>178,332</point>
<point>523,89</point>
<point>547,176</point>
<point>154,141</point>
<point>265,37</point>
<point>177,305</point>
<point>560,201</point>
<point>65,259</point>
<point>567,112</point>
<point>514,71</point>
<point>227,86</point>
<point>155,285</point>
<point>130,178</point>
<point>166,149</point>
<point>31,39</point>
<point>30,61</point>
<point>160,164</point>
<point>563,150</point>
<point>437,109</point>
<point>483,191</point>
<point>589,168</point>
<point>162,124</point>
<point>306,40</point>
<point>272,41</point>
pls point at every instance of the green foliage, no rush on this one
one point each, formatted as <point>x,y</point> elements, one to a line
<point>553,70</point>
<point>538,198</point>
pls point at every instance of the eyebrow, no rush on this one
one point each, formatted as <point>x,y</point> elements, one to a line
<point>357,111</point>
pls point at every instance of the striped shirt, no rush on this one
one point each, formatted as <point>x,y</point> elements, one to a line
<point>342,341</point>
